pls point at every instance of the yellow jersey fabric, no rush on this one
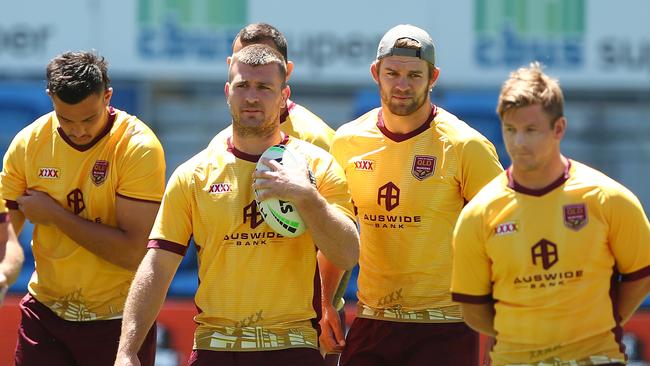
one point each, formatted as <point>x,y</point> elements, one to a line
<point>125,160</point>
<point>258,290</point>
<point>299,122</point>
<point>547,258</point>
<point>408,191</point>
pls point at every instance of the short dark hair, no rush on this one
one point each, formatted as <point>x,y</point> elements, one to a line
<point>73,76</point>
<point>259,32</point>
<point>260,55</point>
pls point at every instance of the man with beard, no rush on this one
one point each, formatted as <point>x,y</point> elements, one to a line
<point>411,167</point>
<point>259,292</point>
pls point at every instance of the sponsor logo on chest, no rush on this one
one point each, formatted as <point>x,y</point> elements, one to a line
<point>49,173</point>
<point>219,188</point>
<point>506,228</point>
<point>364,165</point>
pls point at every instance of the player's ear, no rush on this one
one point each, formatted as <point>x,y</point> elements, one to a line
<point>434,77</point>
<point>226,89</point>
<point>559,128</point>
<point>286,93</point>
<point>228,60</point>
<point>374,71</point>
<point>108,94</point>
<point>289,69</point>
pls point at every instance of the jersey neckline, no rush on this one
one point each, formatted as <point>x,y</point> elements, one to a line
<point>112,113</point>
<point>399,137</point>
<point>512,184</point>
<point>248,157</point>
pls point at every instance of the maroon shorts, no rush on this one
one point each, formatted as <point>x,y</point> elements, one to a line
<point>379,342</point>
<point>46,339</point>
<point>284,357</point>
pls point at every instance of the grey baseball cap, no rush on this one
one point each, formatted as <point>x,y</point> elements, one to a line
<point>427,51</point>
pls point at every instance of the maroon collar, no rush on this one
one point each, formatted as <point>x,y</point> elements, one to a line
<point>111,120</point>
<point>512,184</point>
<point>399,137</point>
<point>285,114</point>
<point>248,157</point>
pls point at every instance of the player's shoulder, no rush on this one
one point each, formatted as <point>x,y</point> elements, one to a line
<point>455,129</point>
<point>308,149</point>
<point>300,115</point>
<point>358,126</point>
<point>582,175</point>
<point>42,125</point>
<point>129,128</point>
<point>490,198</point>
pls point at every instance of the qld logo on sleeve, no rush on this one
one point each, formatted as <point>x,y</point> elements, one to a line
<point>100,172</point>
<point>423,166</point>
<point>575,216</point>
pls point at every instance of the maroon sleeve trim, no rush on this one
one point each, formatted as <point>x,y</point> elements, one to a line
<point>471,299</point>
<point>12,205</point>
<point>134,199</point>
<point>169,246</point>
<point>636,275</point>
<point>4,217</point>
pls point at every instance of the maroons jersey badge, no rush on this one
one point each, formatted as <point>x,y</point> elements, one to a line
<point>575,216</point>
<point>423,166</point>
<point>99,172</point>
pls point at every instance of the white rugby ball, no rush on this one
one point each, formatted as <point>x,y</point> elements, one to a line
<point>281,216</point>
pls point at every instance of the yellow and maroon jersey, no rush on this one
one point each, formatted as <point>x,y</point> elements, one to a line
<point>299,122</point>
<point>547,258</point>
<point>257,289</point>
<point>408,190</point>
<point>125,160</point>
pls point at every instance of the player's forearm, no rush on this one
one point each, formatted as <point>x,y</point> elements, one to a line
<point>146,296</point>
<point>107,242</point>
<point>480,317</point>
<point>12,261</point>
<point>330,276</point>
<point>630,295</point>
<point>333,232</point>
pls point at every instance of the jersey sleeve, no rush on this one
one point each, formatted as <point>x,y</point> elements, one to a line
<point>471,274</point>
<point>13,181</point>
<point>142,174</point>
<point>173,226</point>
<point>629,234</point>
<point>479,165</point>
<point>333,186</point>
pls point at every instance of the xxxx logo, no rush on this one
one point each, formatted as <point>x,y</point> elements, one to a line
<point>220,188</point>
<point>249,321</point>
<point>506,228</point>
<point>367,165</point>
<point>48,173</point>
<point>390,298</point>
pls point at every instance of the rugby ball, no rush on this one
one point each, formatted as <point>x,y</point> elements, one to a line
<point>281,216</point>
